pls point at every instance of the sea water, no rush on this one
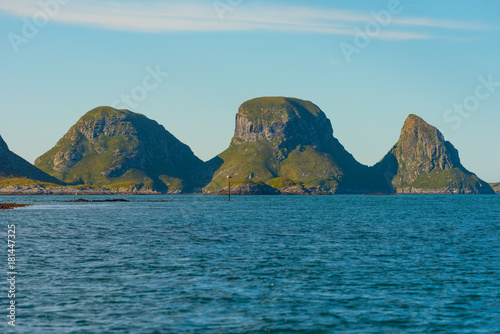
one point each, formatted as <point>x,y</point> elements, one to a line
<point>257,264</point>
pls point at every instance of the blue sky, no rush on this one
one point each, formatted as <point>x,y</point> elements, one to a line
<point>436,59</point>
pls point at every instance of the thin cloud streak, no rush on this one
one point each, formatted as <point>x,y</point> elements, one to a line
<point>197,16</point>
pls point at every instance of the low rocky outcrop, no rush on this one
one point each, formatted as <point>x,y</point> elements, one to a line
<point>10,206</point>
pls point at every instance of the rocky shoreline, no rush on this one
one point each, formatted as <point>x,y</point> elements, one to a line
<point>68,190</point>
<point>246,189</point>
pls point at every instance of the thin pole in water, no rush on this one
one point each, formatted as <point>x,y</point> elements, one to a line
<point>229,188</point>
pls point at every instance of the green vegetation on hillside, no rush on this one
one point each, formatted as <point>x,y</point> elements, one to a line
<point>258,161</point>
<point>121,149</point>
<point>445,178</point>
<point>276,109</point>
<point>311,167</point>
<point>243,161</point>
<point>279,143</point>
<point>282,182</point>
<point>20,182</point>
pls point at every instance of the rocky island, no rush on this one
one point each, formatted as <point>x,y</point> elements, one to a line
<point>121,151</point>
<point>280,146</point>
<point>423,162</point>
<point>286,145</point>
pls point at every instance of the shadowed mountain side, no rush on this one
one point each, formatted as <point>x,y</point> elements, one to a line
<point>13,166</point>
<point>423,162</point>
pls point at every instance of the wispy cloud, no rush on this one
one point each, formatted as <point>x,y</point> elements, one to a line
<point>175,16</point>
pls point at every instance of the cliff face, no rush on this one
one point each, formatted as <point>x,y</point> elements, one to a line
<point>278,138</point>
<point>13,166</point>
<point>422,161</point>
<point>121,149</point>
<point>287,122</point>
<point>496,187</point>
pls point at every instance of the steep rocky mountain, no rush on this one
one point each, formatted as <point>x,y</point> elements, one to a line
<point>120,149</point>
<point>13,166</point>
<point>496,187</point>
<point>288,144</point>
<point>422,161</point>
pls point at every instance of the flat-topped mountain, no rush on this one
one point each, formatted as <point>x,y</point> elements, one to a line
<point>13,166</point>
<point>120,149</point>
<point>422,161</point>
<point>288,144</point>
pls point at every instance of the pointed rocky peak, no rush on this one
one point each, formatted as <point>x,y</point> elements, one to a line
<point>413,121</point>
<point>422,147</point>
<point>3,146</point>
<point>423,161</point>
<point>416,129</point>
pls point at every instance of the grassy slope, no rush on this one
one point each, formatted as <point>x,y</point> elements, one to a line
<point>447,178</point>
<point>88,170</point>
<point>258,159</point>
<point>310,167</point>
<point>4,183</point>
<point>282,182</point>
<point>245,159</point>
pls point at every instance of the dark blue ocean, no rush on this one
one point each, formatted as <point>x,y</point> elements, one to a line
<point>257,264</point>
